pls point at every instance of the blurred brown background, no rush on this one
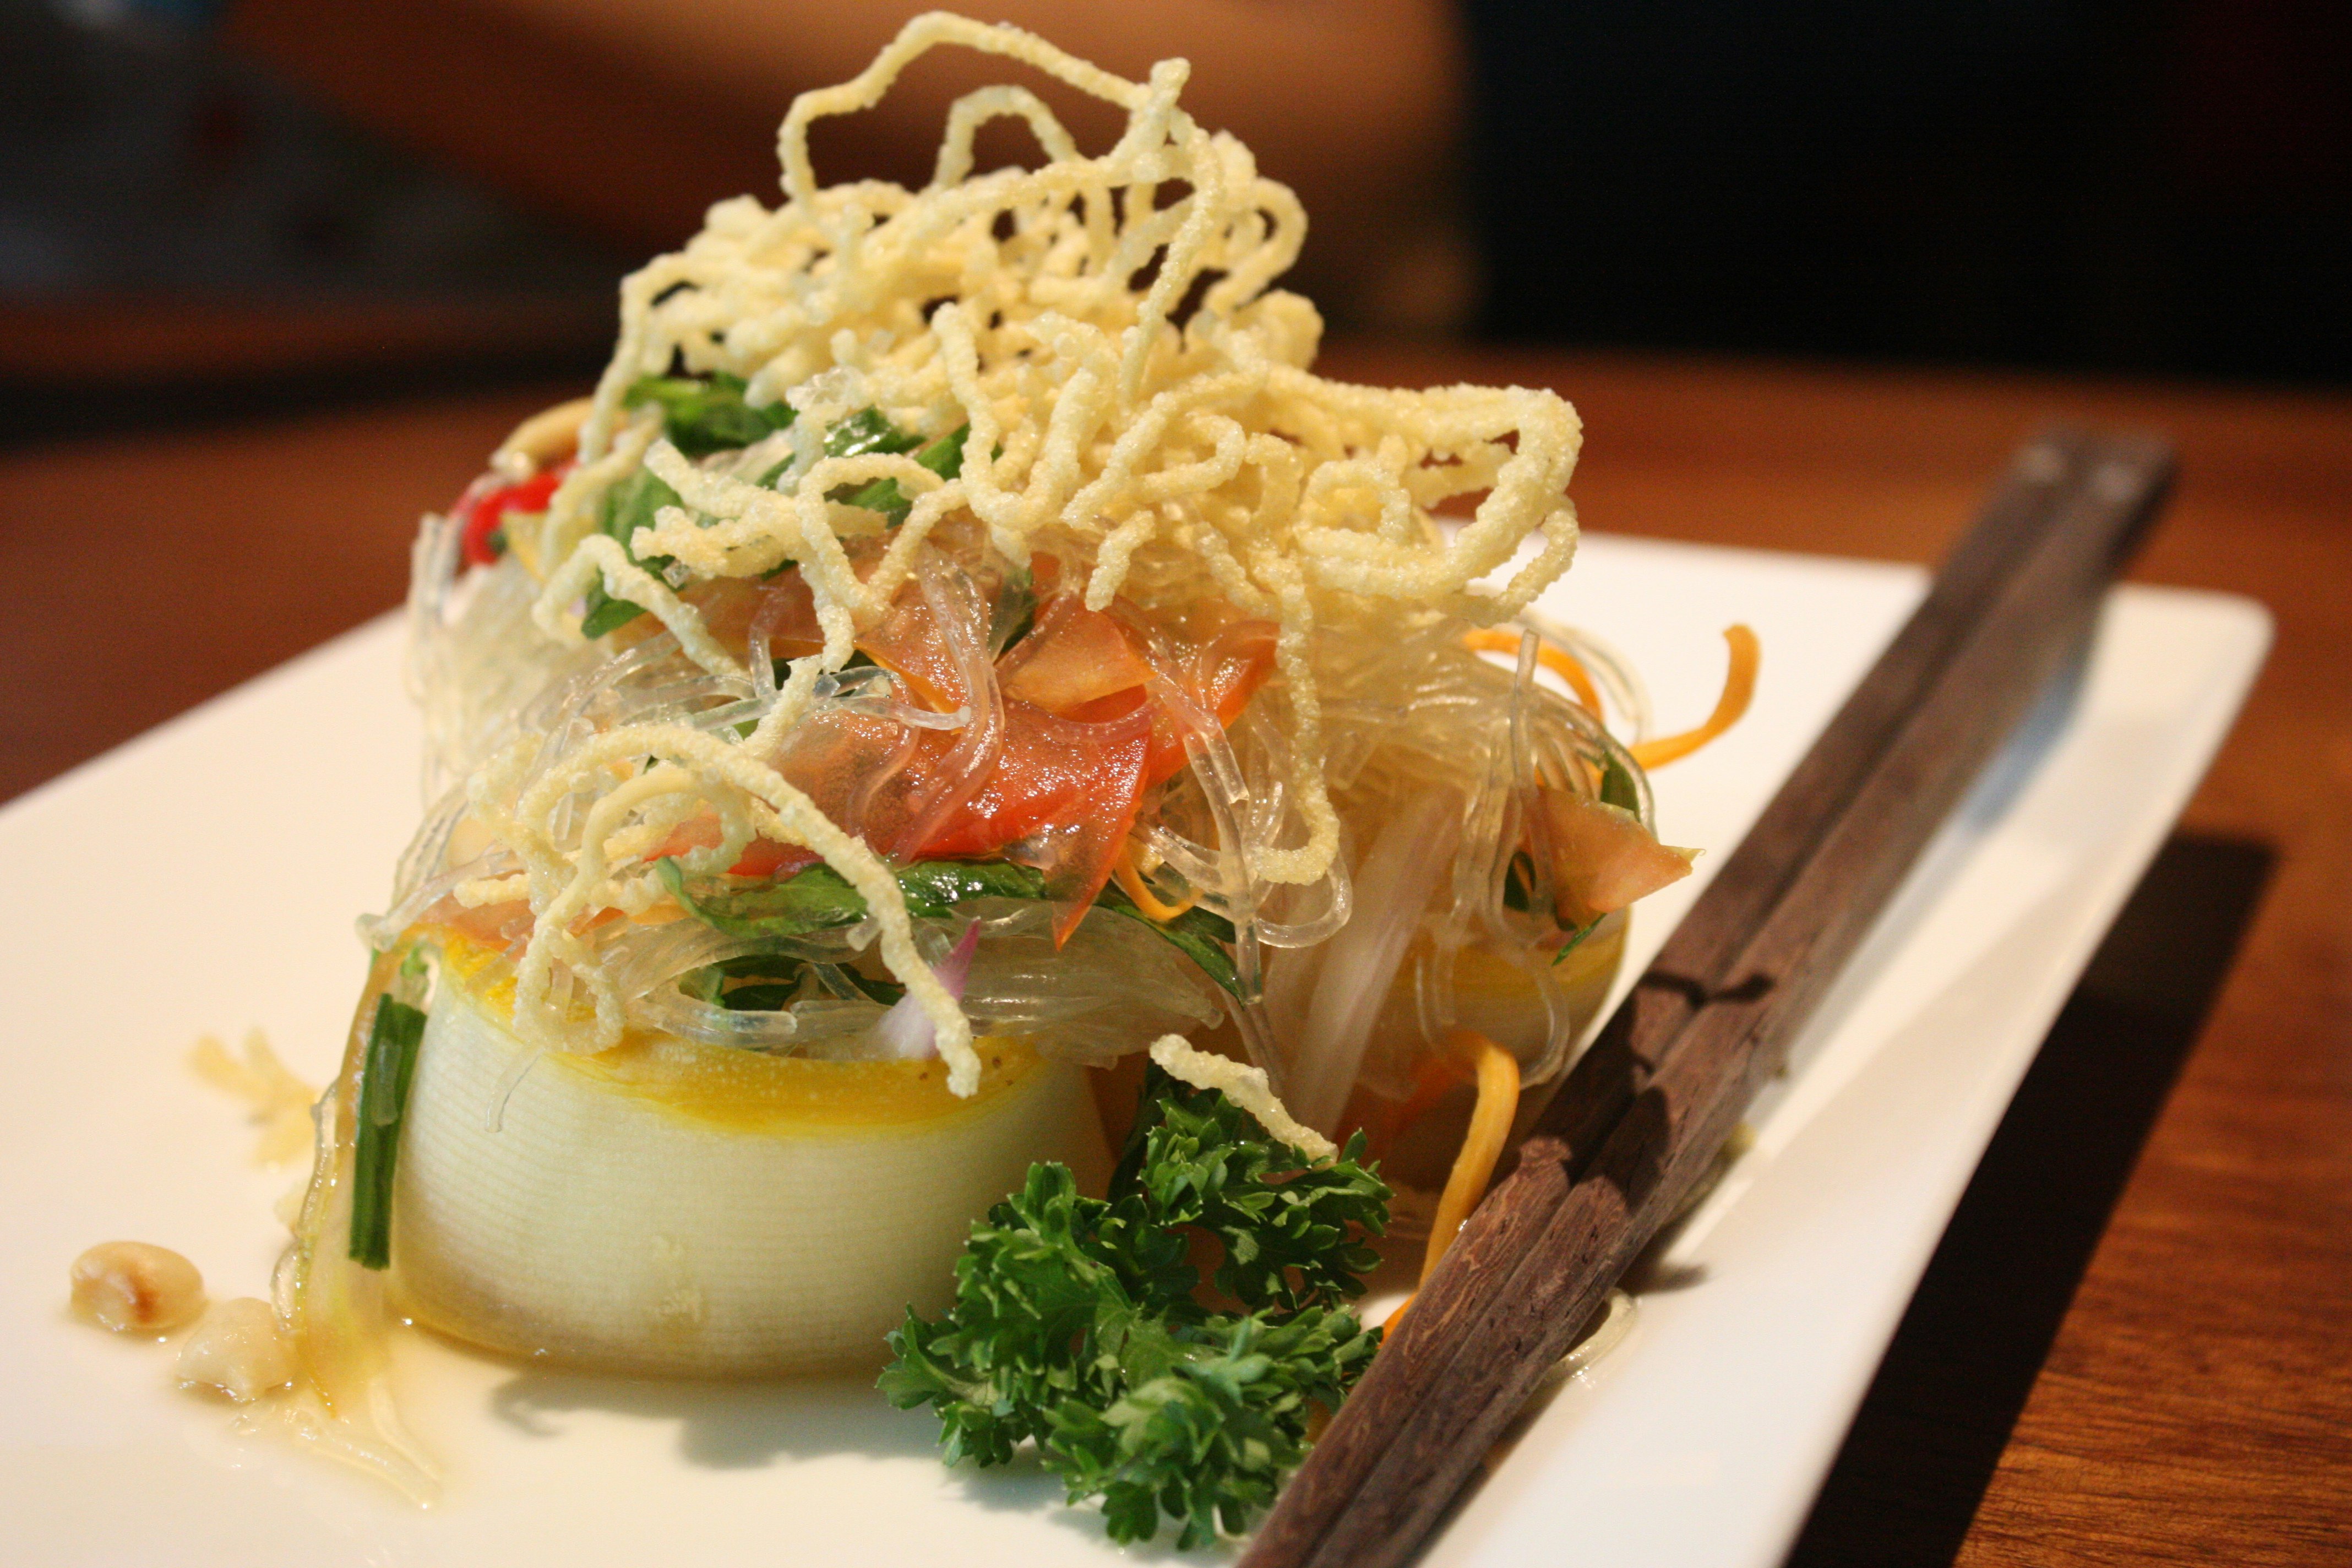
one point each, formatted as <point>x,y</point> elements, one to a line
<point>209,209</point>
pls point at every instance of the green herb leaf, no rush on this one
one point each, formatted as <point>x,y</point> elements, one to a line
<point>1617,785</point>
<point>603,613</point>
<point>1014,612</point>
<point>820,898</point>
<point>759,998</point>
<point>943,456</point>
<point>631,504</point>
<point>934,887</point>
<point>847,985</point>
<point>867,431</point>
<point>1518,882</point>
<point>1202,935</point>
<point>707,416</point>
<point>1075,1322</point>
<point>703,416</point>
<point>384,1076</point>
<point>767,983</point>
<point>1210,1439</point>
<point>817,899</point>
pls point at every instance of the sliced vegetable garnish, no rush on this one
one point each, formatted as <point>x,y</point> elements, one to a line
<point>1496,1073</point>
<point>1576,938</point>
<point>390,1066</point>
<point>1738,690</point>
<point>1076,1322</point>
<point>1603,858</point>
<point>1129,878</point>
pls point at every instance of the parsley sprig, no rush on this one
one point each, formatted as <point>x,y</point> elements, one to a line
<point>1077,1323</point>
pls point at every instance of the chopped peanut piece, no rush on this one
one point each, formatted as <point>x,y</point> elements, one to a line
<point>133,1287</point>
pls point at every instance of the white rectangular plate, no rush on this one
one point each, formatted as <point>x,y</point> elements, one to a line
<point>204,878</point>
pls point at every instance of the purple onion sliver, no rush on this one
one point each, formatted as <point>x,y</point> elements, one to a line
<point>905,1032</point>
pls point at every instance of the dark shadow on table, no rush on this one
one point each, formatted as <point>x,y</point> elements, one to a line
<point>1931,1429</point>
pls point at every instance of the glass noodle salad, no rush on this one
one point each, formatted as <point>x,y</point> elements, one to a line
<point>960,649</point>
<point>1003,523</point>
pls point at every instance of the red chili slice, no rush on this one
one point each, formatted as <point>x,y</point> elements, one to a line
<point>483,507</point>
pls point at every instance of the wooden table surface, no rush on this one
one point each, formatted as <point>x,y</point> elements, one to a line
<point>2135,1343</point>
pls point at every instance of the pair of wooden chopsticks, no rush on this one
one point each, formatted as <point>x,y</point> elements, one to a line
<point>1646,1110</point>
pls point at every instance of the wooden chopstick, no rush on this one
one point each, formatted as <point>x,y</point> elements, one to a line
<point>1649,1107</point>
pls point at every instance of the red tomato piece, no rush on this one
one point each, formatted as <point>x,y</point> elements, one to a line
<point>761,858</point>
<point>908,642</point>
<point>781,607</point>
<point>866,775</point>
<point>765,858</point>
<point>1071,659</point>
<point>1232,666</point>
<point>1227,671</point>
<point>1061,796</point>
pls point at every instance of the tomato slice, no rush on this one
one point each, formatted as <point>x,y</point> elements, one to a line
<point>1061,796</point>
<point>1227,670</point>
<point>1071,659</point>
<point>909,643</point>
<point>1603,858</point>
<point>761,858</point>
<point>765,858</point>
<point>1056,784</point>
<point>780,606</point>
<point>1233,665</point>
<point>867,774</point>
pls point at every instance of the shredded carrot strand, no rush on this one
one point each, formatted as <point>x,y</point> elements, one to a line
<point>1490,1125</point>
<point>1738,687</point>
<point>1131,882</point>
<point>1559,661</point>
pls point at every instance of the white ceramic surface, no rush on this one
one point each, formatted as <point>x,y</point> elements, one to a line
<point>204,878</point>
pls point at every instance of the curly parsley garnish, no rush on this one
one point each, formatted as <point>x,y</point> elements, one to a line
<point>1076,1322</point>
